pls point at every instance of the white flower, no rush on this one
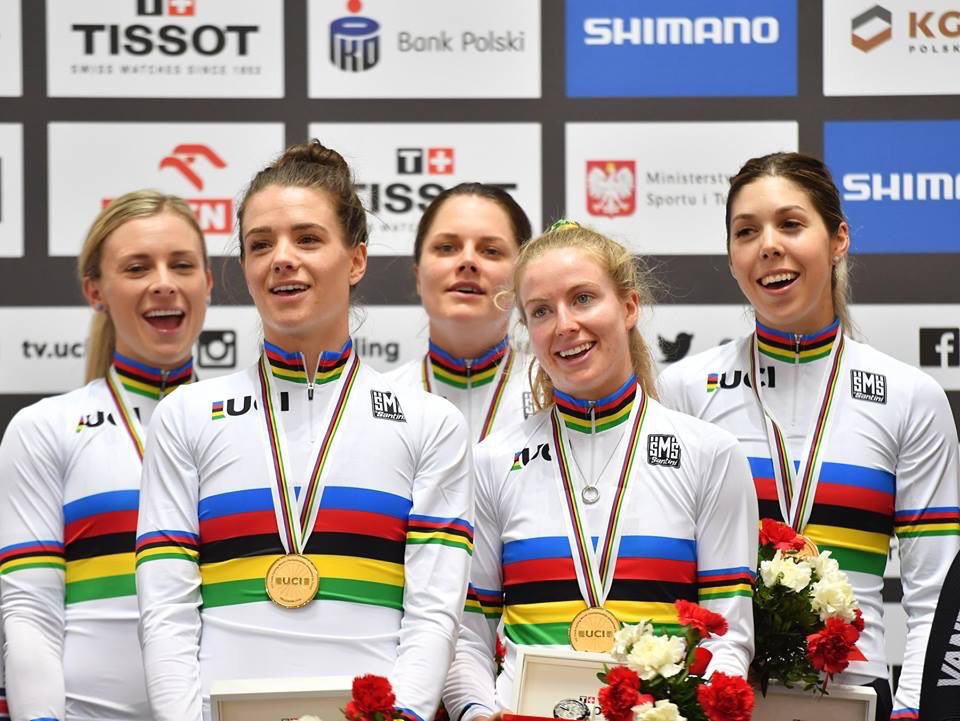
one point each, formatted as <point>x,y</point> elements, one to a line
<point>789,571</point>
<point>663,711</point>
<point>628,635</point>
<point>823,565</point>
<point>653,656</point>
<point>832,596</point>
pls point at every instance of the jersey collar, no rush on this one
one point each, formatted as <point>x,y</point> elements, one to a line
<point>796,347</point>
<point>147,381</point>
<point>290,366</point>
<point>608,412</point>
<point>464,372</point>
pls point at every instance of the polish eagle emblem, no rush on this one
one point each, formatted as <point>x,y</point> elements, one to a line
<point>611,187</point>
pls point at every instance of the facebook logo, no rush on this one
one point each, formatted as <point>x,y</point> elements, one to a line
<point>940,347</point>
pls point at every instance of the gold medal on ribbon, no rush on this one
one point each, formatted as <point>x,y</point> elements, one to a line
<point>592,630</point>
<point>292,581</point>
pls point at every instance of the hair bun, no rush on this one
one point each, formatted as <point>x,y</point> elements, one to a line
<point>313,152</point>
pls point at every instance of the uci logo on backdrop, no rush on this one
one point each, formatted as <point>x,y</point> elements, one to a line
<point>620,48</point>
<point>899,182</point>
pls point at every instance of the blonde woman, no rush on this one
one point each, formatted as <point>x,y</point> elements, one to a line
<point>70,470</point>
<point>666,498</point>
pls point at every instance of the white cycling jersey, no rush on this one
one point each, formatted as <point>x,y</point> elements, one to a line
<point>70,479</point>
<point>687,523</point>
<point>492,391</point>
<point>391,539</point>
<point>889,465</point>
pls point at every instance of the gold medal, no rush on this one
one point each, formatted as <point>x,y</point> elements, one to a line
<point>592,630</point>
<point>292,581</point>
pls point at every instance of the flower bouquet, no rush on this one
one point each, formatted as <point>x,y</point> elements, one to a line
<point>661,676</point>
<point>372,700</point>
<point>806,618</point>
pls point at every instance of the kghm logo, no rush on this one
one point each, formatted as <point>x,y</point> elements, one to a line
<point>871,28</point>
<point>763,30</point>
<point>354,40</point>
<point>611,187</point>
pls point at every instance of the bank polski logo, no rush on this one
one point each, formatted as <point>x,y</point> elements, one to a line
<point>354,40</point>
<point>611,187</point>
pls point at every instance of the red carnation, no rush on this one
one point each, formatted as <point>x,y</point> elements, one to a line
<point>373,699</point>
<point>726,698</point>
<point>779,535</point>
<point>622,693</point>
<point>499,655</point>
<point>706,622</point>
<point>701,659</point>
<point>857,622</point>
<point>829,650</point>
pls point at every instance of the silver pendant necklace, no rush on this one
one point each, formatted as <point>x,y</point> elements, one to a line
<point>590,494</point>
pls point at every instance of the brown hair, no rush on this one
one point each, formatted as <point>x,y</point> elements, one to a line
<point>102,340</point>
<point>625,272</point>
<point>311,165</point>
<point>813,177</point>
<point>519,222</point>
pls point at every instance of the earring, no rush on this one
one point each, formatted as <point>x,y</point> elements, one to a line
<point>99,307</point>
<point>836,259</point>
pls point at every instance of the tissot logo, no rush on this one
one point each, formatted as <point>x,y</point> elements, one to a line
<point>611,187</point>
<point>871,28</point>
<point>170,39</point>
<point>866,386</point>
<point>354,40</point>
<point>940,347</point>
<point>432,161</point>
<point>674,350</point>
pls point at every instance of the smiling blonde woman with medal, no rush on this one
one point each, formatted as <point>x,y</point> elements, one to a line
<point>466,244</point>
<point>70,470</point>
<point>605,507</point>
<point>846,444</point>
<point>304,517</point>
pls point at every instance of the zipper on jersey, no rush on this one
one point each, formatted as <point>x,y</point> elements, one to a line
<point>593,443</point>
<point>796,376</point>
<point>163,382</point>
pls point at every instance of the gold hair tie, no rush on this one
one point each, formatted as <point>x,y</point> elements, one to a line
<point>564,224</point>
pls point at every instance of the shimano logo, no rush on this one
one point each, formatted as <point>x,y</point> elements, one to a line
<point>901,186</point>
<point>763,30</point>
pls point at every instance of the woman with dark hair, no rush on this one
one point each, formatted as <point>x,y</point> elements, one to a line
<point>306,516</point>
<point>846,444</point>
<point>70,470</point>
<point>605,507</point>
<point>466,244</point>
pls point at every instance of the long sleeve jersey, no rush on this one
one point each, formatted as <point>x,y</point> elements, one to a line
<point>491,391</point>
<point>391,541</point>
<point>687,530</point>
<point>889,466</point>
<point>70,480</point>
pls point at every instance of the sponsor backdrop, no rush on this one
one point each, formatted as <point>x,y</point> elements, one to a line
<point>627,116</point>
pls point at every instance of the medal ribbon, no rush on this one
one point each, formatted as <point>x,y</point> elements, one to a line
<point>595,579</point>
<point>796,507</point>
<point>503,375</point>
<point>296,527</point>
<point>127,417</point>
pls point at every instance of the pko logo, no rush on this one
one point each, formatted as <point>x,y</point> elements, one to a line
<point>354,40</point>
<point>170,39</point>
<point>611,187</point>
<point>741,30</point>
<point>899,182</point>
<point>678,48</point>
<point>871,28</point>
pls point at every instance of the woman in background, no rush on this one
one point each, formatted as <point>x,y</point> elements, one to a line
<point>846,444</point>
<point>467,241</point>
<point>70,470</point>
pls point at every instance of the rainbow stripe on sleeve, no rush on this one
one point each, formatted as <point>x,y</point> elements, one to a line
<point>167,545</point>
<point>904,713</point>
<point>453,532</point>
<point>100,542</point>
<point>725,583</point>
<point>923,522</point>
<point>541,593</point>
<point>486,601</point>
<point>31,554</point>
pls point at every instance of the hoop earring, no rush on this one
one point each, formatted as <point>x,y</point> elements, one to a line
<point>99,307</point>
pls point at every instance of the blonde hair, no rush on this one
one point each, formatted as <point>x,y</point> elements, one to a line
<point>625,272</point>
<point>102,340</point>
